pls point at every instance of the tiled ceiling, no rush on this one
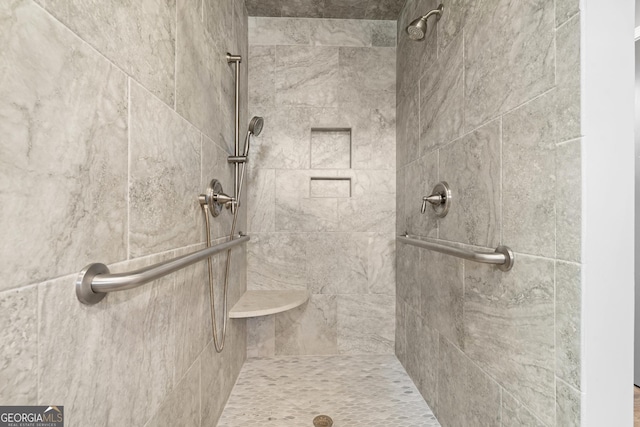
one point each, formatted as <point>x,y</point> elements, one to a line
<point>342,9</point>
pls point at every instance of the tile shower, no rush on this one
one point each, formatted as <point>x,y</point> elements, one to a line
<point>114,117</point>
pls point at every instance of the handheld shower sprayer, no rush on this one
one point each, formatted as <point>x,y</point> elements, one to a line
<point>255,127</point>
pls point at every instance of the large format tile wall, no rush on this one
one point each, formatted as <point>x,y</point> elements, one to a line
<point>113,118</point>
<point>322,183</point>
<point>490,103</point>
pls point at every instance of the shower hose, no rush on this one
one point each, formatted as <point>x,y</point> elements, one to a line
<point>219,342</point>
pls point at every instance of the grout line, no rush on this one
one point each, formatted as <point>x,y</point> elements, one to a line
<point>570,18</point>
<point>568,141</point>
<point>38,323</point>
<point>501,195</point>
<point>128,227</point>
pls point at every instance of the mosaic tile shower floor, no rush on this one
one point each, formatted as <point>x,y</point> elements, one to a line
<point>355,391</point>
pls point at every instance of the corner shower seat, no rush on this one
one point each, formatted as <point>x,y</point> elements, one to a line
<point>264,303</point>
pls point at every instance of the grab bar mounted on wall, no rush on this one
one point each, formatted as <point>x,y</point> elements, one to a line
<point>95,280</point>
<point>503,257</point>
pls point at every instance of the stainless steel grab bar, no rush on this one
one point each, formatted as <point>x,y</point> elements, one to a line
<point>503,256</point>
<point>95,280</point>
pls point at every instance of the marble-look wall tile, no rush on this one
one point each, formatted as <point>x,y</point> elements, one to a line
<point>471,166</point>
<point>509,57</point>
<point>330,148</point>
<point>340,32</point>
<point>422,345</point>
<point>262,78</point>
<point>277,261</point>
<point>384,9</point>
<point>442,294</point>
<point>219,29</point>
<point>408,129</point>
<point>279,31</point>
<point>215,166</point>
<point>337,263</point>
<point>261,198</point>
<point>442,99</point>
<point>353,9</point>
<point>379,217</point>
<point>381,265</point>
<point>302,9</point>
<point>383,33</point>
<point>121,31</point>
<point>261,336</point>
<point>466,395</point>
<point>182,405</point>
<point>565,9</point>
<point>401,216</point>
<point>307,76</point>
<point>367,76</point>
<point>165,154</point>
<point>456,15</point>
<point>198,73</point>
<point>310,328</point>
<point>216,382</point>
<point>568,80</point>
<point>62,107</point>
<point>401,342</point>
<point>529,162</point>
<point>567,405</point>
<point>568,199</point>
<point>373,136</point>
<point>568,309</point>
<point>19,352</point>
<point>409,276</point>
<point>515,414</point>
<point>420,177</point>
<point>509,328</point>
<point>366,324</point>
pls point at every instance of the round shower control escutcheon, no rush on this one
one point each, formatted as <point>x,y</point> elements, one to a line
<point>322,421</point>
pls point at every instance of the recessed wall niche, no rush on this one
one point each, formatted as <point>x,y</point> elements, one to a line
<point>330,148</point>
<point>330,187</point>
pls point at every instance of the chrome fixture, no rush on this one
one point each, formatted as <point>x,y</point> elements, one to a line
<point>236,59</point>
<point>503,257</point>
<point>95,280</point>
<point>322,421</point>
<point>418,27</point>
<point>215,198</point>
<point>440,199</point>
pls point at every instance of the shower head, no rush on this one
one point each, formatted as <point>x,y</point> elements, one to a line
<point>255,127</point>
<point>418,27</point>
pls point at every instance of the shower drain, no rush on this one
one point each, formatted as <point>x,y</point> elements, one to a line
<point>322,421</point>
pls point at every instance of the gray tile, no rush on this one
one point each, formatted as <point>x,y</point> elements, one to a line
<point>568,309</point>
<point>471,167</point>
<point>422,346</point>
<point>218,21</point>
<point>408,129</point>
<point>568,199</point>
<point>509,328</point>
<point>261,336</point>
<point>384,33</point>
<point>442,99</point>
<point>63,108</point>
<point>456,15</point>
<point>565,9</point>
<point>330,149</point>
<point>337,263</point>
<point>401,342</point>
<point>568,80</point>
<point>401,217</point>
<point>366,324</point>
<point>310,329</point>
<point>567,405</point>
<point>381,265</point>
<point>340,32</point>
<point>529,177</point>
<point>198,73</point>
<point>420,178</point>
<point>182,405</point>
<point>330,187</point>
<point>466,396</point>
<point>121,31</point>
<point>19,353</point>
<point>367,76</point>
<point>277,261</point>
<point>409,276</point>
<point>261,196</point>
<point>351,9</point>
<point>302,8</point>
<point>384,9</point>
<point>262,79</point>
<point>509,57</point>
<point>307,76</point>
<point>366,214</point>
<point>373,137</point>
<point>515,414</point>
<point>165,154</point>
<point>279,31</point>
<point>442,295</point>
<point>263,8</point>
<point>216,382</point>
<point>215,166</point>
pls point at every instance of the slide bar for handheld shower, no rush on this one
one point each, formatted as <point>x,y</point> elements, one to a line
<point>95,280</point>
<point>503,257</point>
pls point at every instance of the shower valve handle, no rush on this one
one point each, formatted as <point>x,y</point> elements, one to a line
<point>435,199</point>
